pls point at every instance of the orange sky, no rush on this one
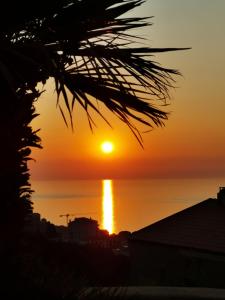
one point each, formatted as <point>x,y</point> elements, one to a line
<point>193,141</point>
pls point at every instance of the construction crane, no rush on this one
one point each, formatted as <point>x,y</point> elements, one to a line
<point>78,214</point>
<point>67,217</point>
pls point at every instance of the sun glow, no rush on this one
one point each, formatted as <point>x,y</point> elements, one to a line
<point>107,147</point>
<point>107,206</point>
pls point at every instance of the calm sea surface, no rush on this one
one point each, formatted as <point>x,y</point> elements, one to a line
<point>120,204</point>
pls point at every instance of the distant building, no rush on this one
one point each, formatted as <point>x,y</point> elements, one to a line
<point>83,230</point>
<point>34,224</point>
<point>123,237</point>
<point>62,233</point>
<point>80,230</point>
<point>221,195</point>
<point>120,243</point>
<point>185,249</point>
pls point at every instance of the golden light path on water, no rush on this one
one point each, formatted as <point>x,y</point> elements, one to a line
<point>107,206</point>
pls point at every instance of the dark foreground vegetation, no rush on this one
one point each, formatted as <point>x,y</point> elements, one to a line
<point>44,269</point>
<point>88,49</point>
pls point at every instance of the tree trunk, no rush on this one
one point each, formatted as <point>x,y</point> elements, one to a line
<point>16,136</point>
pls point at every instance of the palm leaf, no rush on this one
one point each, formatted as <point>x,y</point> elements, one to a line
<point>86,47</point>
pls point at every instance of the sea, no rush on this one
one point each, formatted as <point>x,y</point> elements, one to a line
<point>120,205</point>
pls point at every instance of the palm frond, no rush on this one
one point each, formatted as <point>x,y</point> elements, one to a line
<point>86,46</point>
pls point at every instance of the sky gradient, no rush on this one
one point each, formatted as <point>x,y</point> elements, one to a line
<point>192,143</point>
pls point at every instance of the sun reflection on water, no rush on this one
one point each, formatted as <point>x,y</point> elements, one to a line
<point>107,206</point>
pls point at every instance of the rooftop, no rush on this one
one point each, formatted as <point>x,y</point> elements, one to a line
<point>201,227</point>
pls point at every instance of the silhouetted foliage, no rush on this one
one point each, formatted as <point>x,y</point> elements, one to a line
<point>16,136</point>
<point>59,270</point>
<point>86,47</point>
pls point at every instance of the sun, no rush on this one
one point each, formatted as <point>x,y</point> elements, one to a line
<point>107,147</point>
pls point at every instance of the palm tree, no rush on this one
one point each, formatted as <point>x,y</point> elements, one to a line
<point>86,46</point>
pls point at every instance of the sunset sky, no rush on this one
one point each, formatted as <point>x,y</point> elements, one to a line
<point>192,143</point>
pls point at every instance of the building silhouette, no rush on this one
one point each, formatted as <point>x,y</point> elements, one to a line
<point>83,230</point>
<point>184,249</point>
<point>35,225</point>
